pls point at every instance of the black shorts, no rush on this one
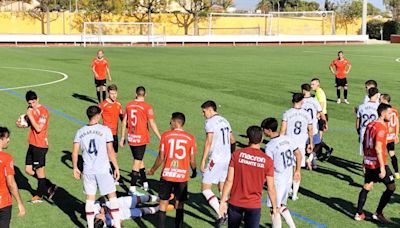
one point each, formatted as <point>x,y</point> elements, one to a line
<point>178,188</point>
<point>372,175</point>
<point>341,82</point>
<point>5,216</point>
<point>390,146</point>
<point>251,216</point>
<point>100,82</point>
<point>138,152</point>
<point>115,143</point>
<point>36,156</point>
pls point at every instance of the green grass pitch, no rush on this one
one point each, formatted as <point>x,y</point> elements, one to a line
<point>249,84</point>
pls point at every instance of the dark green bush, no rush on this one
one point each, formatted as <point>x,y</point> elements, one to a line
<point>389,28</point>
<point>374,29</point>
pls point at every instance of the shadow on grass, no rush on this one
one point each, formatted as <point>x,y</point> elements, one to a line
<point>352,167</point>
<point>70,205</point>
<point>340,176</point>
<point>84,98</point>
<point>23,182</point>
<point>340,205</point>
<point>66,159</point>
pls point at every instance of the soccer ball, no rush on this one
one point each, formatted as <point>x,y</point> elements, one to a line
<point>24,120</point>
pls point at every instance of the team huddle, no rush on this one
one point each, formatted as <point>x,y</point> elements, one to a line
<point>240,174</point>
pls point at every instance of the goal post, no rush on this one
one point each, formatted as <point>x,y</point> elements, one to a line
<point>303,23</point>
<point>101,33</point>
<point>237,24</point>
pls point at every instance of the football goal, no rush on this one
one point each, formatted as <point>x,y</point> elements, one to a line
<point>102,33</point>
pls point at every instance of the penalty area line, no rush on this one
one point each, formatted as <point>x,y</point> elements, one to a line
<point>153,153</point>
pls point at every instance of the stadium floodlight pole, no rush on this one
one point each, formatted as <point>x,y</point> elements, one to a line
<point>364,18</point>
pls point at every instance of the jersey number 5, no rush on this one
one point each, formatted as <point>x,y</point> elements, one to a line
<point>133,117</point>
<point>175,145</point>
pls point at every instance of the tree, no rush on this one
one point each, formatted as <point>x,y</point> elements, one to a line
<point>225,4</point>
<point>195,9</point>
<point>394,7</point>
<point>42,14</point>
<point>329,5</point>
<point>372,10</point>
<point>348,12</point>
<point>147,7</point>
<point>264,6</point>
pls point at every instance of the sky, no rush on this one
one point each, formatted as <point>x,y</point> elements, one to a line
<point>250,4</point>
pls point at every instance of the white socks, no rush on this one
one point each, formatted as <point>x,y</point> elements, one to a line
<point>89,209</point>
<point>276,221</point>
<point>286,215</point>
<point>212,200</point>
<point>114,208</point>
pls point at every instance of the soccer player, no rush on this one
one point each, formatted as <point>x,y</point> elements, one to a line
<point>321,98</point>
<point>127,207</point>
<point>375,164</point>
<point>138,115</point>
<point>218,146</point>
<point>111,111</point>
<point>297,123</point>
<point>342,68</point>
<point>393,133</point>
<point>366,113</point>
<point>177,152</point>
<point>312,106</point>
<point>285,154</point>
<point>96,143</point>
<point>101,71</point>
<point>249,169</point>
<point>35,160</point>
<point>7,182</point>
<point>368,85</point>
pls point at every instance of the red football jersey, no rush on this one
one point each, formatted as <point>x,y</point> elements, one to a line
<point>110,114</point>
<point>6,169</point>
<point>251,166</point>
<point>340,66</point>
<point>138,113</point>
<point>392,126</point>
<point>177,145</point>
<point>100,67</point>
<point>375,132</point>
<point>39,139</point>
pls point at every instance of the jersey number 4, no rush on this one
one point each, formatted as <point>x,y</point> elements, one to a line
<point>92,147</point>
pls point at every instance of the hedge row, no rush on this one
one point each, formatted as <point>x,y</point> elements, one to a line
<point>389,27</point>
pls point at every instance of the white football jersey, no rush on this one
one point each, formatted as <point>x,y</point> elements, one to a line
<point>281,151</point>
<point>366,99</point>
<point>93,141</point>
<point>366,113</point>
<point>313,107</point>
<point>220,151</point>
<point>297,121</point>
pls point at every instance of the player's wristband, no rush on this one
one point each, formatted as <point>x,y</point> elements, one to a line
<point>194,173</point>
<point>233,147</point>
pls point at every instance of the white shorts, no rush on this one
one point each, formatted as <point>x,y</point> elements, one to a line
<point>282,188</point>
<point>215,173</point>
<point>104,181</point>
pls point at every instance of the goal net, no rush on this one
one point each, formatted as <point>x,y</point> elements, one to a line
<point>237,24</point>
<point>102,33</point>
<point>303,23</point>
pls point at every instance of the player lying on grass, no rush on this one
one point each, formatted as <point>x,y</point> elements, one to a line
<point>127,209</point>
